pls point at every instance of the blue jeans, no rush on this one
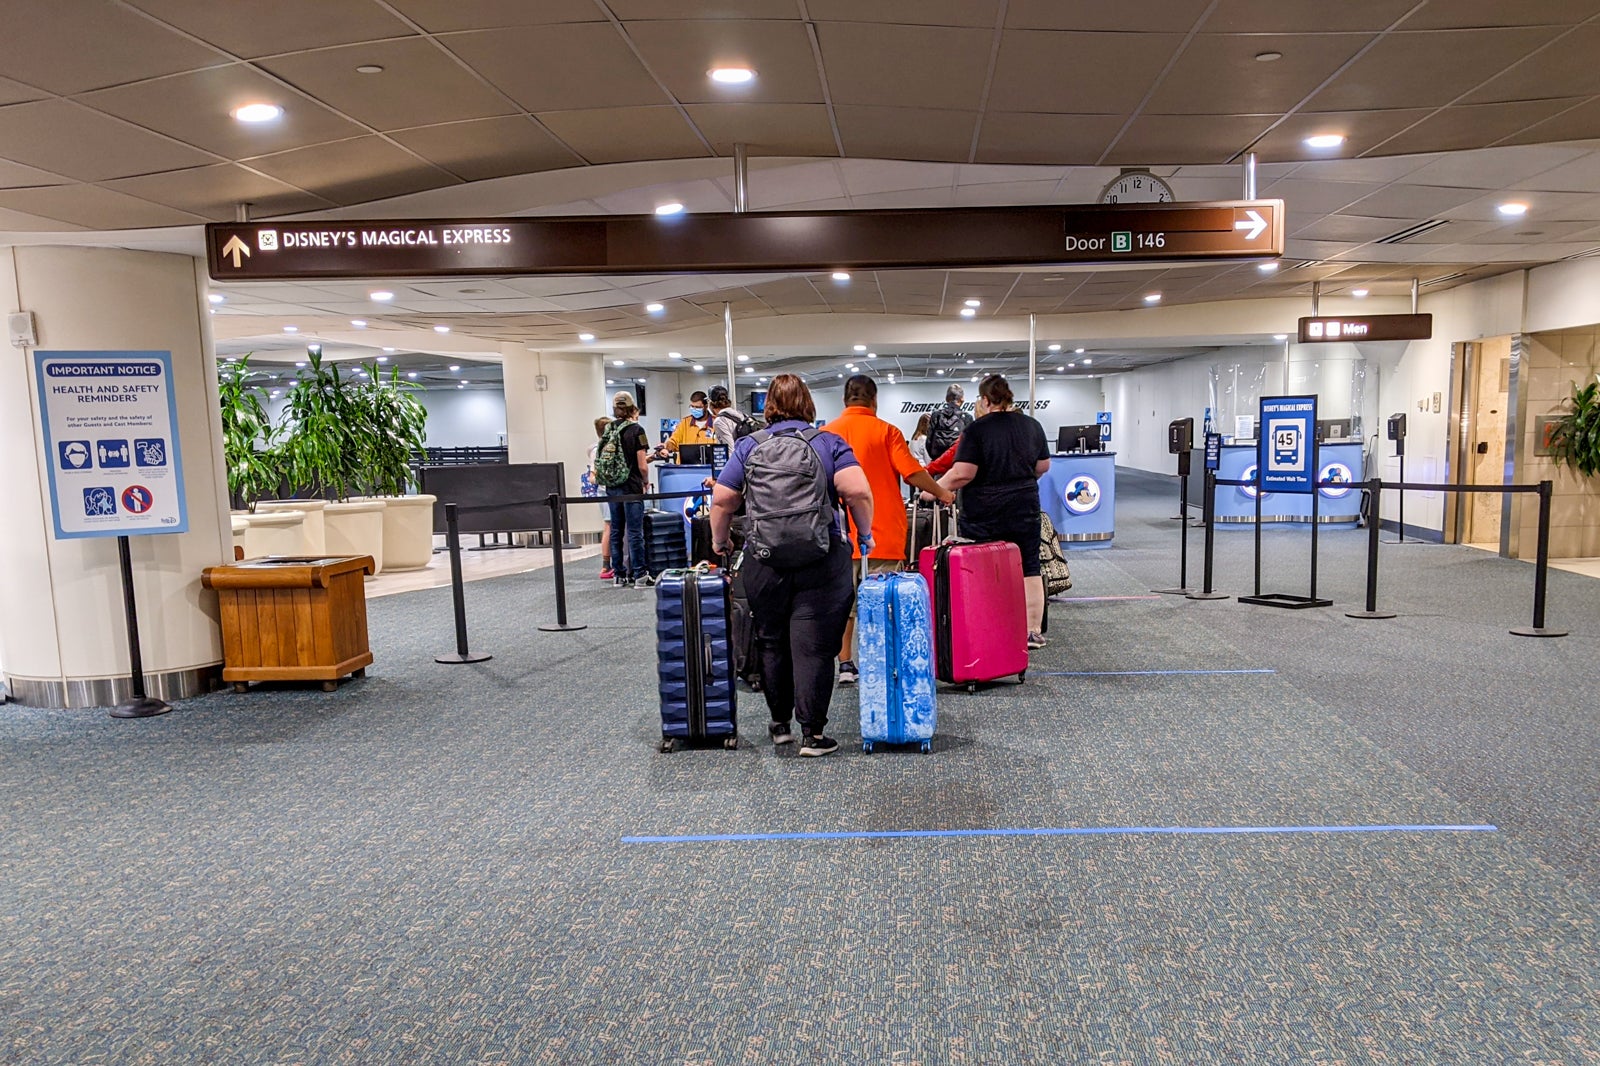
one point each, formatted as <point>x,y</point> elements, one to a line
<point>627,518</point>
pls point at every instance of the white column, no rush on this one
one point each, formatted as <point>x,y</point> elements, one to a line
<point>63,641</point>
<point>552,400</point>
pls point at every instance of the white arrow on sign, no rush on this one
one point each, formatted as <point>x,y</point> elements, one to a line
<point>235,248</point>
<point>1256,225</point>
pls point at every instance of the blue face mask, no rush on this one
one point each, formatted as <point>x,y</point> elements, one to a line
<point>697,412</point>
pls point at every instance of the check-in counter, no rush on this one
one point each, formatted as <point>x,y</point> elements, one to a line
<point>1079,493</point>
<point>672,477</point>
<point>1236,504</point>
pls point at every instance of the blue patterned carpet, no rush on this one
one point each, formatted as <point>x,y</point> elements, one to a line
<point>429,865</point>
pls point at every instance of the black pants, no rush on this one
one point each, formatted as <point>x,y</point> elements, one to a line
<point>799,620</point>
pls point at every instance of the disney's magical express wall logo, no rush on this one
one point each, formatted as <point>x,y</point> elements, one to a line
<point>907,407</point>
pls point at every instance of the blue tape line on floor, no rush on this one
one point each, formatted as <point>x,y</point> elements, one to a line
<point>1137,673</point>
<point>1146,830</point>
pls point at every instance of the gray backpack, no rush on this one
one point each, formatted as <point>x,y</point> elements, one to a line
<point>788,509</point>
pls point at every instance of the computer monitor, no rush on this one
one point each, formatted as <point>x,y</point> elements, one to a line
<point>1334,429</point>
<point>1082,438</point>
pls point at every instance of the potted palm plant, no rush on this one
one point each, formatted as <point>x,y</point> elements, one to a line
<point>390,425</point>
<point>255,467</point>
<point>1574,438</point>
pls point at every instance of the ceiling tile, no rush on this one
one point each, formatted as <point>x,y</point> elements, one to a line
<point>907,133</point>
<point>419,85</point>
<point>1076,73</point>
<point>212,192</point>
<point>1219,75</point>
<point>14,92</point>
<point>277,26</point>
<point>949,72</point>
<point>907,12</point>
<point>73,141</point>
<point>680,54</point>
<point>1579,123</point>
<point>446,16</point>
<point>17,176</point>
<point>1471,126</point>
<point>806,183</point>
<point>20,222</point>
<point>1275,16</point>
<point>354,171</point>
<point>768,129</point>
<point>1565,67</point>
<point>1317,197</point>
<point>1404,70</point>
<point>1411,202</point>
<point>1354,228</point>
<point>1002,194</point>
<point>1474,13</point>
<point>196,109</point>
<point>1498,168</point>
<point>1363,131</point>
<point>557,68</point>
<point>73,47</point>
<point>611,135</point>
<point>1154,16</point>
<point>1009,137</point>
<point>1206,138</point>
<point>629,10</point>
<point>93,207</point>
<point>489,147</point>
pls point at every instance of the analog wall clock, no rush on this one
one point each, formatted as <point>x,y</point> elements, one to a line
<point>1136,187</point>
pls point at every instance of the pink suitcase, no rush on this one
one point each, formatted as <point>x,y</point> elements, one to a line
<point>980,614</point>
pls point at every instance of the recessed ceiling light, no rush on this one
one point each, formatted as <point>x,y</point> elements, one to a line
<point>674,355</point>
<point>257,112</point>
<point>655,309</point>
<point>1077,351</point>
<point>860,347</point>
<point>291,329</point>
<point>1280,336</point>
<point>939,371</point>
<point>1267,268</point>
<point>383,296</point>
<point>1513,209</point>
<point>1059,369</point>
<point>1358,293</point>
<point>1268,57</point>
<point>216,297</point>
<point>968,312</point>
<point>639,380</point>
<point>300,364</point>
<point>1072,366</point>
<point>412,375</point>
<point>1324,140</point>
<point>872,355</point>
<point>1088,361</point>
<point>744,358</point>
<point>369,68</point>
<point>841,275</point>
<point>618,362</point>
<point>359,323</point>
<point>462,385</point>
<point>275,394</point>
<point>455,368</point>
<point>974,303</point>
<point>1152,298</point>
<point>969,362</point>
<point>441,329</point>
<point>1055,348</point>
<point>391,349</point>
<point>383,358</point>
<point>673,208</point>
<point>841,375</point>
<point>731,75</point>
<point>698,368</point>
<point>974,377</point>
<point>761,381</point>
<point>586,337</point>
<point>749,370</point>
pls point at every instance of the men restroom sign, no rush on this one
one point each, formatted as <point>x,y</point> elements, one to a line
<point>110,425</point>
<point>1287,440</point>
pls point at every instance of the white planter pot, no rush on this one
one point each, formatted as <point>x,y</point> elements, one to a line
<point>355,528</point>
<point>407,531</point>
<point>240,524</point>
<point>315,532</point>
<point>274,533</point>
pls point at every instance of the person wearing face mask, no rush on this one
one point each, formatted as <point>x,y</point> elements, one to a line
<point>695,428</point>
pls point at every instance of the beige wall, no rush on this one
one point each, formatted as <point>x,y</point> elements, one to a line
<point>1553,362</point>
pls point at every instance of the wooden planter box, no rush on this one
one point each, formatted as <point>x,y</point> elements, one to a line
<point>293,619</point>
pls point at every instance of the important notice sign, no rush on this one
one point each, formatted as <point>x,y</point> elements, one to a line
<point>109,421</point>
<point>1288,437</point>
<point>1366,328</point>
<point>760,241</point>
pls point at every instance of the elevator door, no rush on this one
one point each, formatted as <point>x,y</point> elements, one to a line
<point>1486,442</point>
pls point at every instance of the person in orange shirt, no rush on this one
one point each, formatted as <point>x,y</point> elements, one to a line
<point>881,449</point>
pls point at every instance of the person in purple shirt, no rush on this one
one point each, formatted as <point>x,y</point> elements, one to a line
<point>799,612</point>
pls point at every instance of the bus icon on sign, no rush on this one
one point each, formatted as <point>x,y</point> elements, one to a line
<point>1288,446</point>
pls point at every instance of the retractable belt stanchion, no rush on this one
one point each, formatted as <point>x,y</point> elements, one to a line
<point>558,536</point>
<point>1541,571</point>
<point>1374,487</point>
<point>1183,588</point>
<point>1210,509</point>
<point>452,539</point>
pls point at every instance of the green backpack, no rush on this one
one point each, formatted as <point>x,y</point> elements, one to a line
<point>611,466</point>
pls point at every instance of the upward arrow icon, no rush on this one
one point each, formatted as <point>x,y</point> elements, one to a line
<point>236,248</point>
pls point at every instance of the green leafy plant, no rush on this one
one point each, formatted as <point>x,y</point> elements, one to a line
<point>249,448</point>
<point>321,442</point>
<point>389,426</point>
<point>1575,439</point>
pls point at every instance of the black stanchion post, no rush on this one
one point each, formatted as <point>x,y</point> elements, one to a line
<point>1183,588</point>
<point>139,704</point>
<point>1541,570</point>
<point>1316,512</point>
<point>1210,510</point>
<point>558,536</point>
<point>452,540</point>
<point>1258,524</point>
<point>1374,488</point>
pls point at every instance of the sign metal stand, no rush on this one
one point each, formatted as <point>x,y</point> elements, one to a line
<point>140,704</point>
<point>1287,439</point>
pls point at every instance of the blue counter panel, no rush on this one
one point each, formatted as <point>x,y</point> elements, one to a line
<point>1079,493</point>
<point>1236,505</point>
<point>673,478</point>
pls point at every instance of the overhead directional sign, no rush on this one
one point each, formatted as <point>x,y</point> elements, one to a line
<point>758,241</point>
<point>1366,328</point>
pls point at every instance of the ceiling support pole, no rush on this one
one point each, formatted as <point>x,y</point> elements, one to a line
<point>241,211</point>
<point>1416,288</point>
<point>1033,361</point>
<point>1250,176</point>
<point>727,340</point>
<point>741,179</point>
<point>1316,298</point>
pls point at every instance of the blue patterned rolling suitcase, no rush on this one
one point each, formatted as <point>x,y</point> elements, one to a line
<point>694,653</point>
<point>894,638</point>
<point>666,545</point>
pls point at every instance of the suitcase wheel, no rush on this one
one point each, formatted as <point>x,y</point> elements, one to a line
<point>667,746</point>
<point>1022,677</point>
<point>972,686</point>
<point>866,745</point>
<point>731,743</point>
<point>927,746</point>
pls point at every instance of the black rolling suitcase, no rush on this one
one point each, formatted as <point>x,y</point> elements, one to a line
<point>700,538</point>
<point>746,660</point>
<point>664,542</point>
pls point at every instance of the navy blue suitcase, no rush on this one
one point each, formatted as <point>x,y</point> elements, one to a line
<point>694,654</point>
<point>665,545</point>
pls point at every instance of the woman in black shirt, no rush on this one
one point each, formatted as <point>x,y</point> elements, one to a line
<point>999,461</point>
